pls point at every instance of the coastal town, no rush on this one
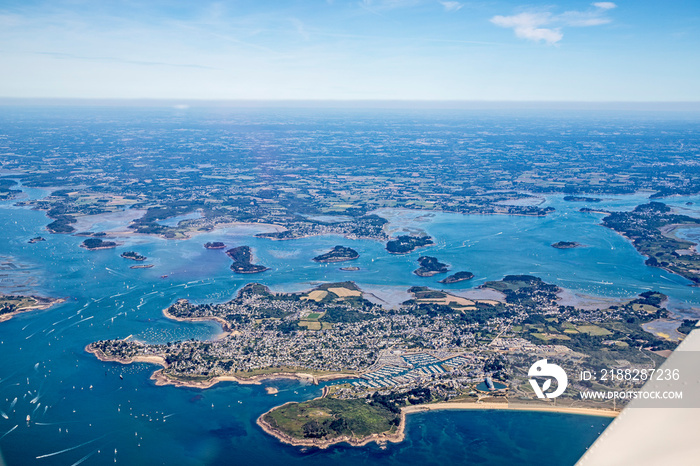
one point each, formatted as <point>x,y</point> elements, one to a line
<point>446,347</point>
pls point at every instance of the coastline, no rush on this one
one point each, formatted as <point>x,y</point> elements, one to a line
<point>41,305</point>
<point>673,227</point>
<point>400,434</point>
<point>162,379</point>
<point>381,439</point>
<point>226,329</point>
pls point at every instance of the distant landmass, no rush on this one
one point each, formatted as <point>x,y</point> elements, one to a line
<point>581,199</point>
<point>338,254</point>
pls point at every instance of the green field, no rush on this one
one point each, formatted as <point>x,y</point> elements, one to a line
<point>593,330</point>
<point>330,418</point>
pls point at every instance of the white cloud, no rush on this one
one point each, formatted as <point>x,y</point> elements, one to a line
<point>605,5</point>
<point>528,26</point>
<point>547,27</point>
<point>451,6</point>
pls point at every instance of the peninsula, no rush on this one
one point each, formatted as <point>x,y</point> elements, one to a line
<point>338,254</point>
<point>433,349</point>
<point>11,305</point>
<point>651,229</point>
<point>242,257</point>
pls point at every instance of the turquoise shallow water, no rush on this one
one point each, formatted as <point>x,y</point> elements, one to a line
<point>87,412</point>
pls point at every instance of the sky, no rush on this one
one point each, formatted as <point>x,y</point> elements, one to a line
<point>627,50</point>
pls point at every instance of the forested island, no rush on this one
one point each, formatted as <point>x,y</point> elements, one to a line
<point>214,245</point>
<point>36,239</point>
<point>242,257</point>
<point>134,256</point>
<point>406,243</point>
<point>457,277</point>
<point>429,266</point>
<point>93,244</point>
<point>337,254</point>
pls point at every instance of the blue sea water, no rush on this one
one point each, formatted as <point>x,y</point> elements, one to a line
<point>85,411</point>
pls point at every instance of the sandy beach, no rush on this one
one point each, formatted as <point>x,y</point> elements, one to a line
<point>225,328</point>
<point>400,434</point>
<point>512,407</point>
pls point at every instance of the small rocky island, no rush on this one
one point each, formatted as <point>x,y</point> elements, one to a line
<point>215,245</point>
<point>406,243</point>
<point>566,245</point>
<point>38,239</point>
<point>338,254</point>
<point>457,277</point>
<point>134,256</point>
<point>93,244</point>
<point>242,257</point>
<point>429,266</point>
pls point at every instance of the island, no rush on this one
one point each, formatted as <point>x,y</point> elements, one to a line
<point>11,305</point>
<point>134,256</point>
<point>214,245</point>
<point>566,245</point>
<point>338,254</point>
<point>457,277</point>
<point>242,257</point>
<point>581,199</point>
<point>651,229</point>
<point>429,266</point>
<point>36,239</point>
<point>94,244</point>
<point>407,243</point>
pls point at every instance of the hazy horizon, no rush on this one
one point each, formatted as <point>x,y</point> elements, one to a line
<point>352,50</point>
